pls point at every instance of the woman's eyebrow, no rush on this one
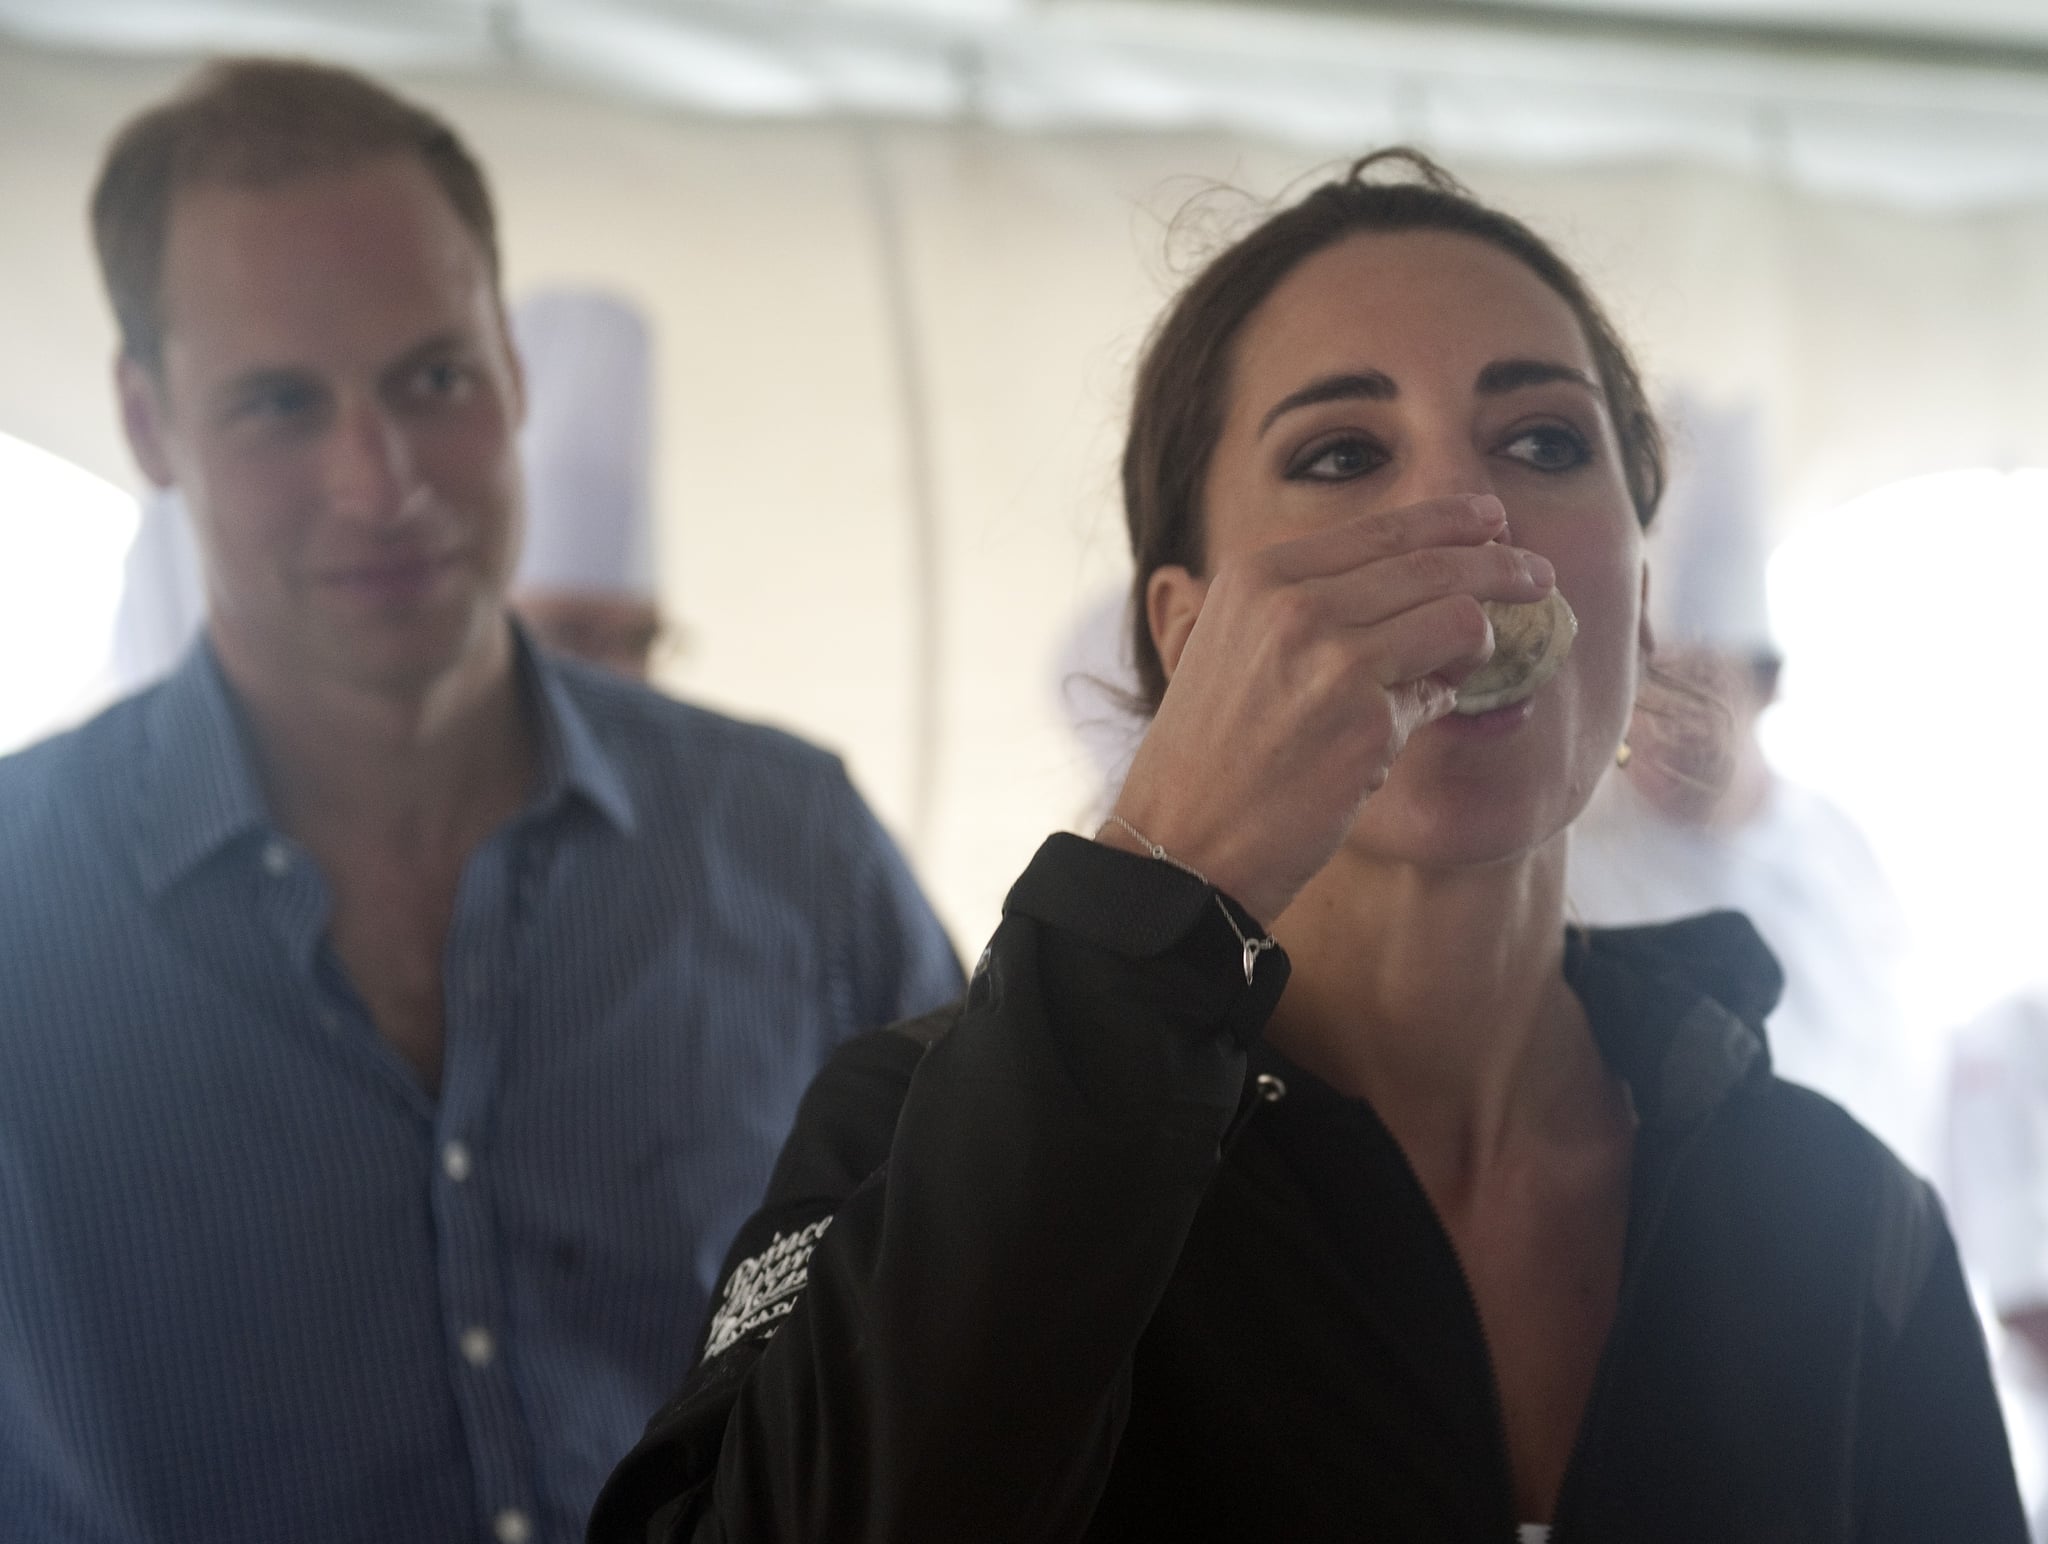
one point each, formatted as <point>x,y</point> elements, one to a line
<point>1505,375</point>
<point>1371,385</point>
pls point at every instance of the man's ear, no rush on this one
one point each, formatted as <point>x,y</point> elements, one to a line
<point>142,418</point>
<point>1173,599</point>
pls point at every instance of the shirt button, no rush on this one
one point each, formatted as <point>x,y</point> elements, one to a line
<point>455,1162</point>
<point>511,1526</point>
<point>478,1347</point>
<point>277,858</point>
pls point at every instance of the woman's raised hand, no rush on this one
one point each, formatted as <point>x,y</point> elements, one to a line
<point>1310,664</point>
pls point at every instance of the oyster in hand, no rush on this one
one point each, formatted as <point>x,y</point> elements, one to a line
<point>1529,643</point>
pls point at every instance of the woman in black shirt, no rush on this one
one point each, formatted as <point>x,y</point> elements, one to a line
<point>1483,1227</point>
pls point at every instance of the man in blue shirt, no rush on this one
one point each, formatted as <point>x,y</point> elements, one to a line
<point>395,1023</point>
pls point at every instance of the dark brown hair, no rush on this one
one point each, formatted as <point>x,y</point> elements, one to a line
<point>256,123</point>
<point>1183,384</point>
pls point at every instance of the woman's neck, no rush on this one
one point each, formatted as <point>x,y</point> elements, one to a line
<point>1439,997</point>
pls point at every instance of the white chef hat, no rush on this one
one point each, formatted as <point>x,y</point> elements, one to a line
<point>587,446</point>
<point>163,593</point>
<point>1711,541</point>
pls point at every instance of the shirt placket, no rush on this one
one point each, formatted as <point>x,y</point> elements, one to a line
<point>297,905</point>
<point>478,1005</point>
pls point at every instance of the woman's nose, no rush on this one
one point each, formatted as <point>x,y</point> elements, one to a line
<point>1443,465</point>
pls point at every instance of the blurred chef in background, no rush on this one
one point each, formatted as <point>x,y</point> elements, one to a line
<point>587,581</point>
<point>1698,820</point>
<point>1995,1164</point>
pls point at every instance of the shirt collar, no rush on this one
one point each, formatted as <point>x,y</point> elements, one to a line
<point>200,791</point>
<point>572,759</point>
<point>1678,1007</point>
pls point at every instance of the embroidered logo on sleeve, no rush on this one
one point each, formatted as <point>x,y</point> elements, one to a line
<point>763,1289</point>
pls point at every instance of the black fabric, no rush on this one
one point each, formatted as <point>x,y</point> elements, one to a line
<point>1081,1281</point>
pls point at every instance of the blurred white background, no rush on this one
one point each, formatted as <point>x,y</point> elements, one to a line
<point>902,254</point>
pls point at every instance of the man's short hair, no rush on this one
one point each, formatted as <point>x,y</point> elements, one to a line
<point>256,123</point>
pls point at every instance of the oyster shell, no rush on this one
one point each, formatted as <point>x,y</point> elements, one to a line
<point>1529,643</point>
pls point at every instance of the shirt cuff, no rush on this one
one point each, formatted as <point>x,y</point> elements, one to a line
<point>1144,910</point>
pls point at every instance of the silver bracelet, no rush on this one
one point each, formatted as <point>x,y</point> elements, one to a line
<point>1253,947</point>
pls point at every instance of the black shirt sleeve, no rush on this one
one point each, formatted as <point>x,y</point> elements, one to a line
<point>926,1332</point>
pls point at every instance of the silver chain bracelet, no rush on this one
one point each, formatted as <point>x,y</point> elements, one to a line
<point>1253,947</point>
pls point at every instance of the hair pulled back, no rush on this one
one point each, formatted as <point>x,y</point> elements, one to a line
<point>1184,377</point>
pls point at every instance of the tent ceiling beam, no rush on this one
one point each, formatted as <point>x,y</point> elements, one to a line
<point>1974,49</point>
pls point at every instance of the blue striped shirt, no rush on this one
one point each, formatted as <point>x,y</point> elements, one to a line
<point>255,1283</point>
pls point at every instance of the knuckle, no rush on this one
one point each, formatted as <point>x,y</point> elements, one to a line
<point>1408,528</point>
<point>1294,614</point>
<point>1445,520</point>
<point>1434,569</point>
<point>1229,579</point>
<point>1331,672</point>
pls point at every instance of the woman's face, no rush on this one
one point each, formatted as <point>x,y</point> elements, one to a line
<point>1389,369</point>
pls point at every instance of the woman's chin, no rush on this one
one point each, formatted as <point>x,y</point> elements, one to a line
<point>1454,828</point>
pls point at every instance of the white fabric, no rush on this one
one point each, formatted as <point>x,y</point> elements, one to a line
<point>163,594</point>
<point>1533,1533</point>
<point>1806,877</point>
<point>1996,1154</point>
<point>1995,1165</point>
<point>1710,544</point>
<point>587,444</point>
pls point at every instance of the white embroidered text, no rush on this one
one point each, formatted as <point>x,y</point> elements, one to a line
<point>763,1289</point>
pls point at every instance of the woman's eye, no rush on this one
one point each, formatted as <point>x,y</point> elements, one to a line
<point>1337,460</point>
<point>1550,448</point>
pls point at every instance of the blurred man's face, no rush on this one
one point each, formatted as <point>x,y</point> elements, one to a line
<point>338,402</point>
<point>615,631</point>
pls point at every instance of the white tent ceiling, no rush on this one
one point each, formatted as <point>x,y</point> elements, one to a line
<point>1931,103</point>
<point>1993,21</point>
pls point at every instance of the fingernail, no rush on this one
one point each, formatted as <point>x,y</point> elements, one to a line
<point>1489,509</point>
<point>1541,574</point>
